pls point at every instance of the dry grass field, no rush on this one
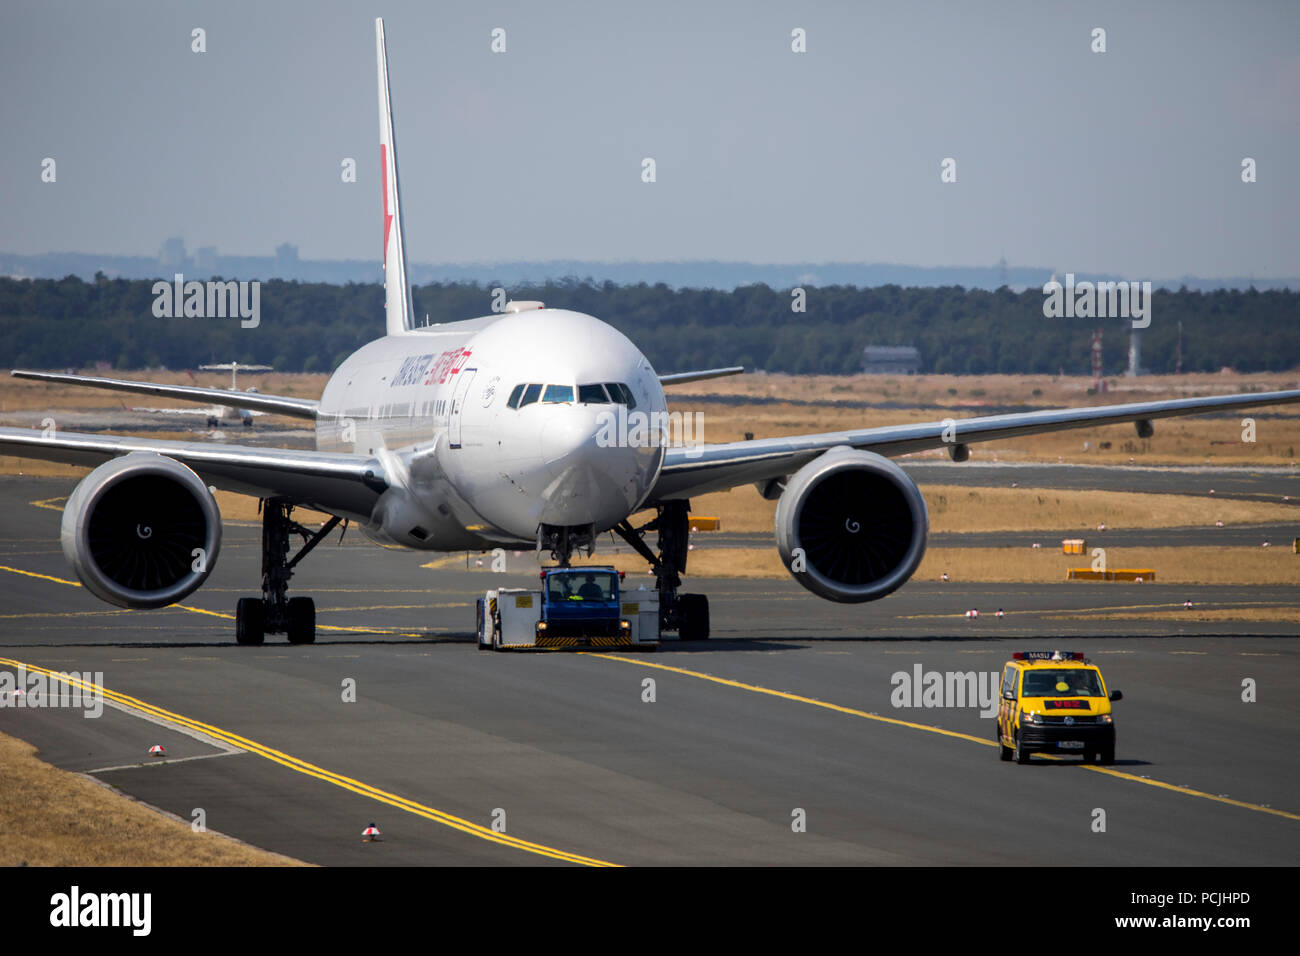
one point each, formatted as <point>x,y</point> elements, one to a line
<point>957,508</point>
<point>1178,615</point>
<point>50,817</point>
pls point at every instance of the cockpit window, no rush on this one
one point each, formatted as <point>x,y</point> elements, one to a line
<point>591,394</point>
<point>621,394</point>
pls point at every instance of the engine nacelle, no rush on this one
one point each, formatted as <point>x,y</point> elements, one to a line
<point>141,531</point>
<point>851,525</point>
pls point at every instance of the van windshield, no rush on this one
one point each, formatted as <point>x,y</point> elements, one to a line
<point>1075,682</point>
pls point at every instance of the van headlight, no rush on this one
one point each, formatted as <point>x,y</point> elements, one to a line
<point>1029,718</point>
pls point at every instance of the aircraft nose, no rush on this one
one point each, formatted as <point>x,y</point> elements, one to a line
<point>568,433</point>
<point>595,478</point>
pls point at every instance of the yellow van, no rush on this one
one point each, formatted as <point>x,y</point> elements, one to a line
<point>1055,702</point>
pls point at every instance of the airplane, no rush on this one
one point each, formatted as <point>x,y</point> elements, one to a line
<point>486,433</point>
<point>216,414</point>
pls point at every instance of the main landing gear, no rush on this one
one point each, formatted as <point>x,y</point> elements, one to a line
<point>275,612</point>
<point>687,614</point>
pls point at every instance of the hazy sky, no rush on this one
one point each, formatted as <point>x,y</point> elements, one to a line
<point>1127,161</point>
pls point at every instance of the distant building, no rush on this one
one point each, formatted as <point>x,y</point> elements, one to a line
<point>891,360</point>
<point>172,256</point>
<point>206,261</point>
<point>286,260</point>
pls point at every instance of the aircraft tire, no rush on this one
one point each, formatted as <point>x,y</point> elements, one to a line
<point>250,621</point>
<point>302,620</point>
<point>694,611</point>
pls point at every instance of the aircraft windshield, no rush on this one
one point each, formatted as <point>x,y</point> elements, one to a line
<point>594,393</point>
<point>621,394</point>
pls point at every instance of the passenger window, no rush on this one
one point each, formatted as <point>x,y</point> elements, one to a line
<point>515,395</point>
<point>531,394</point>
<point>592,395</point>
<point>558,393</point>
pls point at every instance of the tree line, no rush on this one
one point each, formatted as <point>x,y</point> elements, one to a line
<point>312,327</point>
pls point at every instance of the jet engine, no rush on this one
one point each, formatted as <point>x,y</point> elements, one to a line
<point>141,531</point>
<point>851,525</point>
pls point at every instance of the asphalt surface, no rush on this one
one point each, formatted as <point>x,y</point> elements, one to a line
<point>788,708</point>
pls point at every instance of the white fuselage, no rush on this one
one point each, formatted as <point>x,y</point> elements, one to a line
<point>466,470</point>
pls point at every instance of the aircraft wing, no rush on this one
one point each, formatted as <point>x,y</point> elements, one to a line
<point>257,401</point>
<point>694,471</point>
<point>678,378</point>
<point>336,483</point>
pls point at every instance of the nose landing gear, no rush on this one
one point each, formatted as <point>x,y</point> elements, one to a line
<point>562,541</point>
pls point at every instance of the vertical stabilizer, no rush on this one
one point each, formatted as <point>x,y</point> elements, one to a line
<point>397,293</point>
